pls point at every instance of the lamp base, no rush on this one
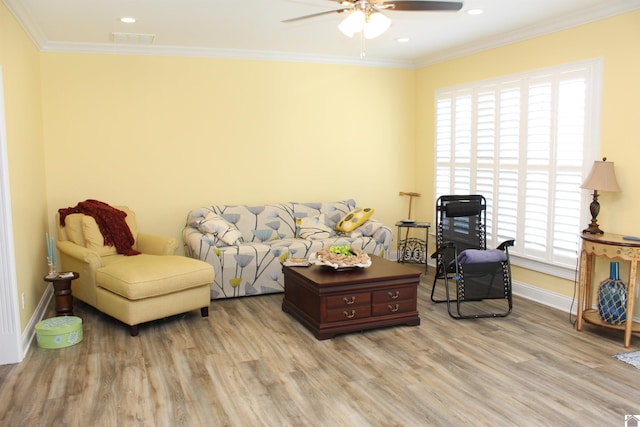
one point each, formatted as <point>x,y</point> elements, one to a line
<point>593,229</point>
<point>594,208</point>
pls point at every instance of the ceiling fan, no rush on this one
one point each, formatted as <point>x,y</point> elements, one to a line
<point>366,16</point>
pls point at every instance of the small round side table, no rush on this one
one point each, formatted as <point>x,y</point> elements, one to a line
<point>62,293</point>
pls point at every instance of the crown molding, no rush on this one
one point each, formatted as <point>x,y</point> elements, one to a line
<point>18,10</point>
<point>556,24</point>
<point>155,50</point>
<point>605,10</point>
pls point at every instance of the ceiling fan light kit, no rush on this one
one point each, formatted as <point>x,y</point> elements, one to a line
<point>365,16</point>
<point>353,23</point>
<point>371,24</point>
<point>376,25</point>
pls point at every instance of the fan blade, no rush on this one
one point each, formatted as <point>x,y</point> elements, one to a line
<point>313,15</point>
<point>403,5</point>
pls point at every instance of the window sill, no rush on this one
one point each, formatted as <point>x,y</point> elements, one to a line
<point>564,272</point>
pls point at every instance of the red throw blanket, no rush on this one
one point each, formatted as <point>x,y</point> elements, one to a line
<point>110,221</point>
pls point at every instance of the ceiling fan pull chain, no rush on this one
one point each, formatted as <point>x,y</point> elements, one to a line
<point>363,47</point>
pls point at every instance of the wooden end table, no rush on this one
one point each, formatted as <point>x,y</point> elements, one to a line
<point>62,293</point>
<point>330,302</point>
<point>612,246</point>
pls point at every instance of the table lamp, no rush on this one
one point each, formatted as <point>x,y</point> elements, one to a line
<point>601,178</point>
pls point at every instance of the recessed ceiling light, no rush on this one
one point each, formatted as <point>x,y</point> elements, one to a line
<point>402,39</point>
<point>475,11</point>
<point>127,19</point>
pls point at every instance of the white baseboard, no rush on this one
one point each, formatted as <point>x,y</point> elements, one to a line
<point>41,310</point>
<point>542,296</point>
<point>548,298</point>
<point>533,293</point>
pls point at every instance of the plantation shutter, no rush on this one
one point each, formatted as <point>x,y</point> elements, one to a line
<point>524,142</point>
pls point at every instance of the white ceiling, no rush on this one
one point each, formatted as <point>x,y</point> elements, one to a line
<point>253,28</point>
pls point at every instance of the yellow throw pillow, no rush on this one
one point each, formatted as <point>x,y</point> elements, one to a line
<point>73,228</point>
<point>354,219</point>
<point>94,239</point>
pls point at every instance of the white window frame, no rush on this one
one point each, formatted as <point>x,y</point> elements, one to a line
<point>453,152</point>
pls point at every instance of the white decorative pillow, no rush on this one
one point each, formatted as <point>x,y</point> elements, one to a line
<point>368,228</point>
<point>223,230</point>
<point>313,228</point>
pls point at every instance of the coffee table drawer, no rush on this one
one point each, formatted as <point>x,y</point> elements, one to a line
<point>394,295</point>
<point>349,300</point>
<point>394,307</point>
<point>351,313</point>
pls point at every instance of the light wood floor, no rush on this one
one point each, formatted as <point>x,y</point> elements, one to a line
<point>250,364</point>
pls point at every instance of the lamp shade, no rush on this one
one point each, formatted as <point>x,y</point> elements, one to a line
<point>372,24</point>
<point>354,23</point>
<point>376,25</point>
<point>602,177</point>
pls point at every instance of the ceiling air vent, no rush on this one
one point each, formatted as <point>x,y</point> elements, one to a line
<point>133,38</point>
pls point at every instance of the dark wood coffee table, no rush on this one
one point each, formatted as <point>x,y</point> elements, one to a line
<point>330,302</point>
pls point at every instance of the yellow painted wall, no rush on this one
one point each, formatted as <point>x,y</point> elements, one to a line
<point>164,135</point>
<point>20,62</point>
<point>617,41</point>
<point>168,134</point>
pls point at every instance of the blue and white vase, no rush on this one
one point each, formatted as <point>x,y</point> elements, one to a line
<point>612,297</point>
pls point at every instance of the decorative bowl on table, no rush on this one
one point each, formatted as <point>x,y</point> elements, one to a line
<point>341,257</point>
<point>296,262</point>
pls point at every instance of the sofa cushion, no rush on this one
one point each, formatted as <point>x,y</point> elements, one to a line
<point>248,219</point>
<point>219,227</point>
<point>368,229</point>
<point>354,219</point>
<point>94,239</point>
<point>73,228</point>
<point>313,227</point>
<point>144,276</point>
<point>265,235</point>
<point>333,211</point>
<point>479,256</point>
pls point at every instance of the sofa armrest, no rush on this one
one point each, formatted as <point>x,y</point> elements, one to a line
<point>71,251</point>
<point>85,262</point>
<point>156,245</point>
<point>384,236</point>
<point>375,229</point>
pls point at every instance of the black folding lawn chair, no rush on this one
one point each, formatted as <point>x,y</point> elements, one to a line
<point>482,277</point>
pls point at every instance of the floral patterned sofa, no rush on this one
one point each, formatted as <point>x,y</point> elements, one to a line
<point>246,244</point>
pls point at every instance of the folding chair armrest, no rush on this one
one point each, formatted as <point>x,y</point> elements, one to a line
<point>506,244</point>
<point>442,247</point>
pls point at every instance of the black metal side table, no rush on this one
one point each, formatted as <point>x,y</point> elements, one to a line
<point>413,249</point>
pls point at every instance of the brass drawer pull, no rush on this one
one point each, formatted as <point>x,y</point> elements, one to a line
<point>349,301</point>
<point>350,316</point>
<point>394,309</point>
<point>394,295</point>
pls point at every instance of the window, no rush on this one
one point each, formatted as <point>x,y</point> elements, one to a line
<point>524,142</point>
